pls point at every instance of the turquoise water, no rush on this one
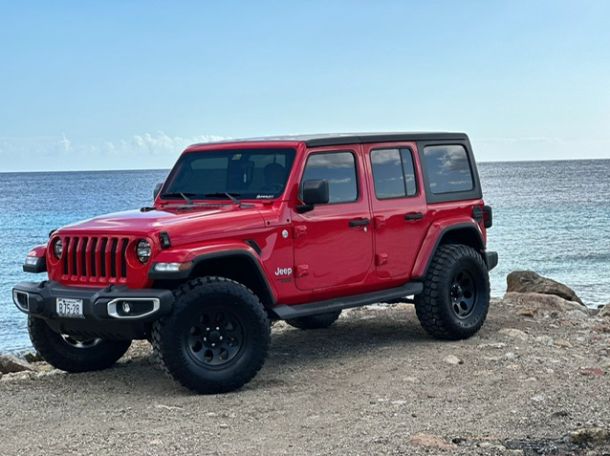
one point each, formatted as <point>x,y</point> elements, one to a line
<point>552,217</point>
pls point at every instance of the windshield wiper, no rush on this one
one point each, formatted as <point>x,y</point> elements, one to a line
<point>184,195</point>
<point>231,196</point>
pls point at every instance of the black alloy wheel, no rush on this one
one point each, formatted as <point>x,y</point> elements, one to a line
<point>216,338</point>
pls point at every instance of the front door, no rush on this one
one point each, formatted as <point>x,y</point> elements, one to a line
<point>399,208</point>
<point>333,243</point>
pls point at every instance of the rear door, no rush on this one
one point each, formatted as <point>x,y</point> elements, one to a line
<point>333,243</point>
<point>398,207</point>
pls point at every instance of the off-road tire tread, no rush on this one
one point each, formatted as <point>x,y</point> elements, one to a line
<point>427,307</point>
<point>99,357</point>
<point>178,373</point>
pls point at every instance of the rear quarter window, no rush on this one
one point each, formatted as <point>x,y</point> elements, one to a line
<point>448,169</point>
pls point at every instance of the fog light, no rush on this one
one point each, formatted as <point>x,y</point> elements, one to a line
<point>126,307</point>
<point>21,300</point>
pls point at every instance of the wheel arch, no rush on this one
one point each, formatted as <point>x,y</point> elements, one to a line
<point>238,265</point>
<point>460,233</point>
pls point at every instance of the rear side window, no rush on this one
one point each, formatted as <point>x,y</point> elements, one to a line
<point>393,173</point>
<point>339,169</point>
<point>448,169</point>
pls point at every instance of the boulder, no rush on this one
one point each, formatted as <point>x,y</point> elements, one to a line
<point>10,364</point>
<point>540,304</point>
<point>531,282</point>
<point>604,312</point>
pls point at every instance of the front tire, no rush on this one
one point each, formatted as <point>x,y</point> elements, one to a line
<point>217,337</point>
<point>455,299</point>
<point>72,354</point>
<point>319,321</point>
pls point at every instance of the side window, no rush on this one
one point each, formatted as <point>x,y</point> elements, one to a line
<point>448,169</point>
<point>339,169</point>
<point>393,173</point>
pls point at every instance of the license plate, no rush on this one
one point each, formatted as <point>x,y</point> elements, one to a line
<point>69,308</point>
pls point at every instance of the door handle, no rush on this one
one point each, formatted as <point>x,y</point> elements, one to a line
<point>413,216</point>
<point>359,222</point>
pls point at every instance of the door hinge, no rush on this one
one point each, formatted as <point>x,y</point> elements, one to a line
<point>301,270</point>
<point>381,259</point>
<point>300,230</point>
<point>380,221</point>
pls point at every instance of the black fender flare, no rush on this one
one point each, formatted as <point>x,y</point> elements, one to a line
<point>480,244</point>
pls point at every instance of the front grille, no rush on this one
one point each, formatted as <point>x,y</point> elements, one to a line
<point>99,259</point>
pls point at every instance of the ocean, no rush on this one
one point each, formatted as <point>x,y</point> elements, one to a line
<point>552,217</point>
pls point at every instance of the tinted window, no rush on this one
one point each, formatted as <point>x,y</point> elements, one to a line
<point>339,169</point>
<point>256,173</point>
<point>393,173</point>
<point>448,169</point>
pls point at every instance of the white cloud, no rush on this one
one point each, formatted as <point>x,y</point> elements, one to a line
<point>146,150</point>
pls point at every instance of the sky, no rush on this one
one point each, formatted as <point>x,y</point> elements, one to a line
<point>128,84</point>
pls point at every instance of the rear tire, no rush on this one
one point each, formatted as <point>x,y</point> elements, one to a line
<point>72,354</point>
<point>455,299</point>
<point>319,321</point>
<point>216,338</point>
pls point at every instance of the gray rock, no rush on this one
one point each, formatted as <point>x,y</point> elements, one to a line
<point>531,282</point>
<point>494,345</point>
<point>563,343</point>
<point>513,333</point>
<point>492,446</point>
<point>10,364</point>
<point>453,360</point>
<point>539,398</point>
<point>590,436</point>
<point>430,441</point>
<point>576,314</point>
<point>604,312</point>
<point>540,304</point>
<point>545,340</point>
<point>32,357</point>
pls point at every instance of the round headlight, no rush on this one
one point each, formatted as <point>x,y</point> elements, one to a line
<point>58,248</point>
<point>143,251</point>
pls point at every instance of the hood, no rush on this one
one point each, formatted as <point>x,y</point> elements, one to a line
<point>181,223</point>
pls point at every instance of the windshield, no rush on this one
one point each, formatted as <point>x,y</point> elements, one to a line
<point>229,174</point>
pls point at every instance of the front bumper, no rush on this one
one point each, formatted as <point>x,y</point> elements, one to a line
<point>103,314</point>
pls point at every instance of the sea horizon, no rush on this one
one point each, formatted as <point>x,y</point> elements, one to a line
<point>482,162</point>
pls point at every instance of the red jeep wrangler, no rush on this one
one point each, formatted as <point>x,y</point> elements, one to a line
<point>246,232</point>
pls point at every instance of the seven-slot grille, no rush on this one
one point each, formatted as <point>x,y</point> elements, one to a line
<point>95,258</point>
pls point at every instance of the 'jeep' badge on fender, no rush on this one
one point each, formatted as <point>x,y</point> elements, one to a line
<point>283,272</point>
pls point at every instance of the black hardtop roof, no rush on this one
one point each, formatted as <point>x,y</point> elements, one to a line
<point>333,139</point>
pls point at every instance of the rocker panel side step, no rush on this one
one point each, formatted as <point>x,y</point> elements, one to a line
<point>285,312</point>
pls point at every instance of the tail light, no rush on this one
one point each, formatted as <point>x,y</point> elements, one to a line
<point>487,216</point>
<point>483,214</point>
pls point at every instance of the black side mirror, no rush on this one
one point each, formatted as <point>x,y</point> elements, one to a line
<point>157,190</point>
<point>313,192</point>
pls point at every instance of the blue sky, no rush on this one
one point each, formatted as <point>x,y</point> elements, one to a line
<point>127,84</point>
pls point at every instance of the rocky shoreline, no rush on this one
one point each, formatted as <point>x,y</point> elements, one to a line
<point>535,380</point>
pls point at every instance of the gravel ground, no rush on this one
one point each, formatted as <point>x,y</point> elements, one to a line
<point>374,383</point>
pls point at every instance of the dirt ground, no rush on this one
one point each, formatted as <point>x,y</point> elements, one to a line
<point>374,383</point>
